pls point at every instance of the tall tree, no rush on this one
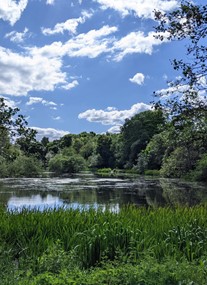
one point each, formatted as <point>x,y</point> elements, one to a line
<point>12,124</point>
<point>104,150</point>
<point>186,103</point>
<point>137,132</point>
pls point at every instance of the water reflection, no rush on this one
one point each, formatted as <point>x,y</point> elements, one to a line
<point>87,190</point>
<point>52,202</point>
<point>34,201</point>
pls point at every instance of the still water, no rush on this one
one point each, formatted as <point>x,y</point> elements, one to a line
<point>87,190</point>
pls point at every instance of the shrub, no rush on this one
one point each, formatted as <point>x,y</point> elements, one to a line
<point>3,167</point>
<point>61,164</point>
<point>152,172</point>
<point>200,172</point>
<point>177,164</point>
<point>24,166</point>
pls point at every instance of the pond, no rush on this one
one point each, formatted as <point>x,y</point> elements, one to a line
<point>87,190</point>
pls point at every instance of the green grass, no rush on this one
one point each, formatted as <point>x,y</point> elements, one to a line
<point>80,245</point>
<point>152,172</point>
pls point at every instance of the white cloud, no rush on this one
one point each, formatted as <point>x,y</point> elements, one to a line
<point>37,100</point>
<point>70,25</point>
<point>40,68</point>
<point>141,8</point>
<point>20,74</point>
<point>34,100</point>
<point>138,78</point>
<point>202,81</point>
<point>54,50</point>
<point>71,85</point>
<point>9,102</point>
<point>16,36</point>
<point>11,11</point>
<point>57,118</point>
<point>50,2</point>
<point>51,133</point>
<point>136,42</point>
<point>181,92</point>
<point>111,109</point>
<point>113,117</point>
<point>90,44</point>
<point>115,129</point>
<point>96,42</point>
<point>48,103</point>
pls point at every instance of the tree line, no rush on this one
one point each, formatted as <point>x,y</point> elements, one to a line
<point>149,143</point>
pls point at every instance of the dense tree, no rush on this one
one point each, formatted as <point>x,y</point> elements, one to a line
<point>65,141</point>
<point>104,151</point>
<point>16,139</point>
<point>152,157</point>
<point>53,147</point>
<point>12,124</point>
<point>24,166</point>
<point>63,164</point>
<point>45,141</point>
<point>137,132</point>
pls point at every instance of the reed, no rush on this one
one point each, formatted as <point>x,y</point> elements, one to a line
<point>96,235</point>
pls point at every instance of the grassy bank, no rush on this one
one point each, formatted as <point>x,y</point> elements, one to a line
<point>134,246</point>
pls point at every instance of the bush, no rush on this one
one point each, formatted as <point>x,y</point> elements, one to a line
<point>3,167</point>
<point>152,172</point>
<point>148,272</point>
<point>200,172</point>
<point>142,162</point>
<point>24,166</point>
<point>61,164</point>
<point>177,164</point>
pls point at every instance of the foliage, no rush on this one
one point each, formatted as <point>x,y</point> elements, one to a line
<point>151,158</point>
<point>53,147</point>
<point>3,167</point>
<point>152,172</point>
<point>148,272</point>
<point>185,102</point>
<point>24,166</point>
<point>142,162</point>
<point>12,124</point>
<point>66,141</point>
<point>137,132</point>
<point>177,164</point>
<point>104,150</point>
<point>105,170</point>
<point>144,246</point>
<point>200,171</point>
<point>189,21</point>
<point>91,237</point>
<point>66,164</point>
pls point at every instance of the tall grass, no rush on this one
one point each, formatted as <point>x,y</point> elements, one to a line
<point>91,236</point>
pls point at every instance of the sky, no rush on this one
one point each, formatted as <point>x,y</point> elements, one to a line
<point>75,66</point>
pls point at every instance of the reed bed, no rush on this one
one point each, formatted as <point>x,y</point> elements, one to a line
<point>91,236</point>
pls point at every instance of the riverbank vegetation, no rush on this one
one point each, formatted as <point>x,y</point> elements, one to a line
<point>149,143</point>
<point>65,246</point>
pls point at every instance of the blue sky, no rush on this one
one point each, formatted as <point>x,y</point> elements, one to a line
<point>74,66</point>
